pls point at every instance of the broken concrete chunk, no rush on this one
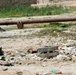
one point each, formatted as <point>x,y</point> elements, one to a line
<point>48,51</point>
<point>47,48</point>
<point>22,54</point>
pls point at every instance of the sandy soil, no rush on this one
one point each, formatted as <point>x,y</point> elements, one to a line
<point>67,68</point>
<point>14,40</point>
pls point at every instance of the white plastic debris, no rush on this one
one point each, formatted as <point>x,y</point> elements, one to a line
<point>59,56</point>
<point>70,50</point>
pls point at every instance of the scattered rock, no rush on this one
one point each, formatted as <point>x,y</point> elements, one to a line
<point>48,51</point>
<point>22,54</point>
<point>19,73</point>
<point>74,57</point>
<point>31,63</point>
<point>38,73</point>
<point>4,69</point>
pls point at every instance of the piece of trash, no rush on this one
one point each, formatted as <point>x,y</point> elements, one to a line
<point>58,73</point>
<point>2,58</point>
<point>1,52</point>
<point>6,64</point>
<point>59,56</point>
<point>53,71</point>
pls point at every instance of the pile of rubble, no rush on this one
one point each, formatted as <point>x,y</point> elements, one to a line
<point>63,53</point>
<point>12,58</point>
<point>67,53</point>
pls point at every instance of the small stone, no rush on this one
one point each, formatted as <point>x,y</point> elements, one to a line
<point>31,63</point>
<point>37,74</point>
<point>19,73</point>
<point>4,69</point>
<point>48,74</point>
<point>30,50</point>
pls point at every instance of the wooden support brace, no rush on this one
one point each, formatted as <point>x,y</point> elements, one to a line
<point>20,25</point>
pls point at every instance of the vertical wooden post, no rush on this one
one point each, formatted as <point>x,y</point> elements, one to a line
<point>20,25</point>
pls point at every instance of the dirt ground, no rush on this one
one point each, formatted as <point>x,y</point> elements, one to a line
<point>15,39</point>
<point>22,40</point>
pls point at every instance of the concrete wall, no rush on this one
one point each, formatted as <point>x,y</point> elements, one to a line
<point>43,1</point>
<point>26,2</point>
<point>4,3</point>
<point>16,2</point>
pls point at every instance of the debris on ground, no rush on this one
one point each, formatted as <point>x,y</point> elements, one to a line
<point>41,57</point>
<point>48,51</point>
<point>67,53</point>
<point>1,30</point>
<point>55,71</point>
<point>12,58</point>
<point>31,50</point>
<point>19,73</point>
<point>4,69</point>
<point>1,51</point>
